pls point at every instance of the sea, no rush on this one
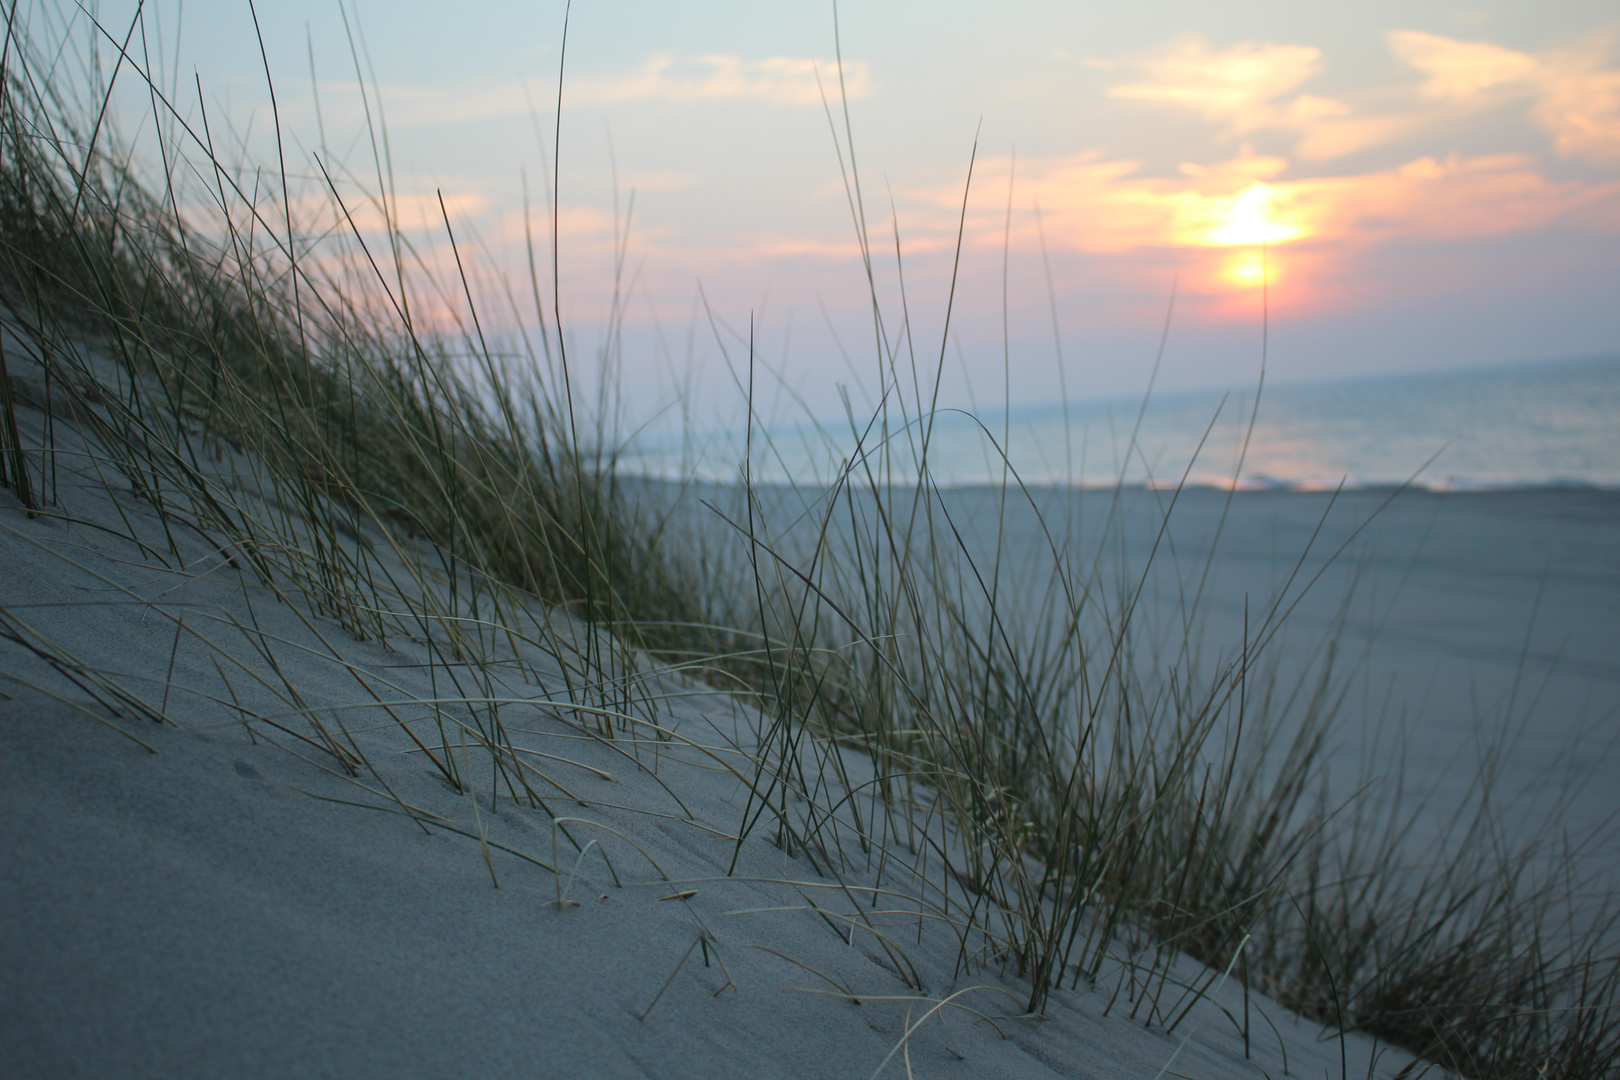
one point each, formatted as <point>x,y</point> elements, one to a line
<point>1544,424</point>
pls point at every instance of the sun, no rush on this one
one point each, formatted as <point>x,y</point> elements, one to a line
<point>1249,270</point>
<point>1255,221</point>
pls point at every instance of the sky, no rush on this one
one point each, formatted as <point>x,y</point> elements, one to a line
<point>1340,189</point>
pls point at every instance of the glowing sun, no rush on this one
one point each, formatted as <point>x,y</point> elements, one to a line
<point>1250,270</point>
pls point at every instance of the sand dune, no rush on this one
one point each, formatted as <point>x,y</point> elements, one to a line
<point>227,851</point>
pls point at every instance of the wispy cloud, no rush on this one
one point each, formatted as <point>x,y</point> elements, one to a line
<point>778,80</point>
<point>1575,94</point>
<point>1254,86</point>
<point>1240,88</point>
<point>1464,70</point>
<point>1572,94</point>
<point>407,211</point>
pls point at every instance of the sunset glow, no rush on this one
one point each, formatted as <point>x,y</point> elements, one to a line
<point>1249,270</point>
<point>1249,220</point>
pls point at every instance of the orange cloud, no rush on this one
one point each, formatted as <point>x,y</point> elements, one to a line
<point>1582,110</point>
<point>1463,70</point>
<point>1238,87</point>
<point>1574,95</point>
<point>1097,206</point>
<point>1458,198</point>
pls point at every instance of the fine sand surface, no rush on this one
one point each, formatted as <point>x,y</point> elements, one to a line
<point>191,884</point>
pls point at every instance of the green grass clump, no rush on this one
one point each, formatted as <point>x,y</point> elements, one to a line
<point>1078,804</point>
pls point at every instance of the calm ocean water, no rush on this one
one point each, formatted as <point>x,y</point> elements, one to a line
<point>1528,425</point>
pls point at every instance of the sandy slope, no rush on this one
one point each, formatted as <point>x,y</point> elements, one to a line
<point>210,895</point>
